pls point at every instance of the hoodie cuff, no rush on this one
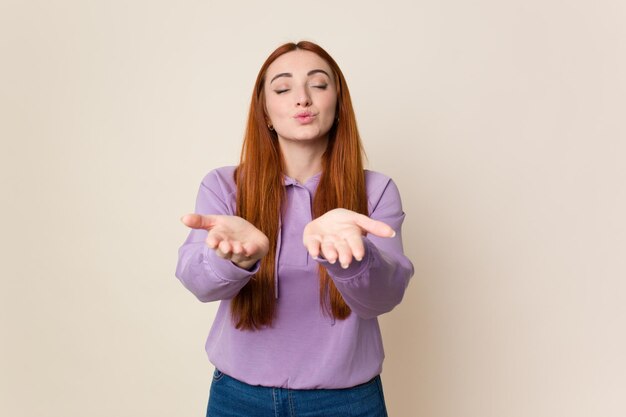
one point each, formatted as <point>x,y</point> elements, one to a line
<point>224,269</point>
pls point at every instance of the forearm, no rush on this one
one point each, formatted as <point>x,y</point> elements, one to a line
<point>208,276</point>
<point>376,284</point>
<point>201,271</point>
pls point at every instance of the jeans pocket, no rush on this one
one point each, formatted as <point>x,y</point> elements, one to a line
<point>217,375</point>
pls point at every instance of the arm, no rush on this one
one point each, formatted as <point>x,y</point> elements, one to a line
<point>375,284</point>
<point>204,267</point>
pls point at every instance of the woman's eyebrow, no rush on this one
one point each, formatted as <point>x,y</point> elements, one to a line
<point>288,74</point>
<point>315,71</point>
<point>282,74</point>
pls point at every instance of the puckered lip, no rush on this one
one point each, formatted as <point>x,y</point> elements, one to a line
<point>303,114</point>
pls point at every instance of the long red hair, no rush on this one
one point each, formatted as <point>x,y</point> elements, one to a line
<point>260,191</point>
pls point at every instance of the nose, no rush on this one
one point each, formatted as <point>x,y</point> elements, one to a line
<point>303,98</point>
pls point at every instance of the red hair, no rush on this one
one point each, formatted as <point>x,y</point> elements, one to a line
<point>260,191</point>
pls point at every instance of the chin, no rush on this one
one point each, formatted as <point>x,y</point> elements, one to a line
<point>305,138</point>
<point>310,138</point>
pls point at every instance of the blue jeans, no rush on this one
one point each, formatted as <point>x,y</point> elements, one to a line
<point>232,398</point>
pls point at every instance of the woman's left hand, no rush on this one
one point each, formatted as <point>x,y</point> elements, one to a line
<point>338,235</point>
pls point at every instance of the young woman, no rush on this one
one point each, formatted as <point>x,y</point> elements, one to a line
<point>302,247</point>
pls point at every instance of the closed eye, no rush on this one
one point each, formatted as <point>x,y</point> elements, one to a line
<point>321,86</point>
<point>281,91</point>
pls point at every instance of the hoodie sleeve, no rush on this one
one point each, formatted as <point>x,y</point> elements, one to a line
<point>200,270</point>
<point>376,284</point>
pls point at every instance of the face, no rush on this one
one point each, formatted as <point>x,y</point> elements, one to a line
<point>300,96</point>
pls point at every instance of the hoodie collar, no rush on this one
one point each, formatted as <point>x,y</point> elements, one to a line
<point>312,181</point>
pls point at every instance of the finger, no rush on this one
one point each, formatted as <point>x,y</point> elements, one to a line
<point>374,227</point>
<point>250,249</point>
<point>312,244</point>
<point>329,251</point>
<point>356,246</point>
<point>198,221</point>
<point>344,254</point>
<point>238,258</point>
<point>223,255</point>
<point>237,248</point>
<point>225,247</point>
<point>213,239</point>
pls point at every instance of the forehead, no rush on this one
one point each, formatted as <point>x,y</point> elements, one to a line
<point>297,62</point>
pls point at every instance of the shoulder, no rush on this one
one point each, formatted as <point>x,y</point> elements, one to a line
<point>375,179</point>
<point>376,183</point>
<point>221,180</point>
<point>380,189</point>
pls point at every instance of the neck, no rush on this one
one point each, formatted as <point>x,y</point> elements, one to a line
<point>303,159</point>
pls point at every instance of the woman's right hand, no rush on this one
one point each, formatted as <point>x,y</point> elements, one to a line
<point>231,237</point>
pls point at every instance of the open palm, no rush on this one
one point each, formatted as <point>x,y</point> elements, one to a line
<point>231,237</point>
<point>338,235</point>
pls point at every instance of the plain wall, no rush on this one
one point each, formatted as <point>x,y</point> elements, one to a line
<point>502,123</point>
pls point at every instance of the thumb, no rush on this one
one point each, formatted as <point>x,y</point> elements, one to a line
<point>198,221</point>
<point>374,227</point>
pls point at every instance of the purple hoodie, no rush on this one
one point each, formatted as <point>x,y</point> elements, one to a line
<point>304,348</point>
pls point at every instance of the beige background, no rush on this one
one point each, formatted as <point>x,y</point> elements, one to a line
<point>501,121</point>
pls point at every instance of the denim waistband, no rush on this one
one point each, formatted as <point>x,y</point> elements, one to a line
<point>232,397</point>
